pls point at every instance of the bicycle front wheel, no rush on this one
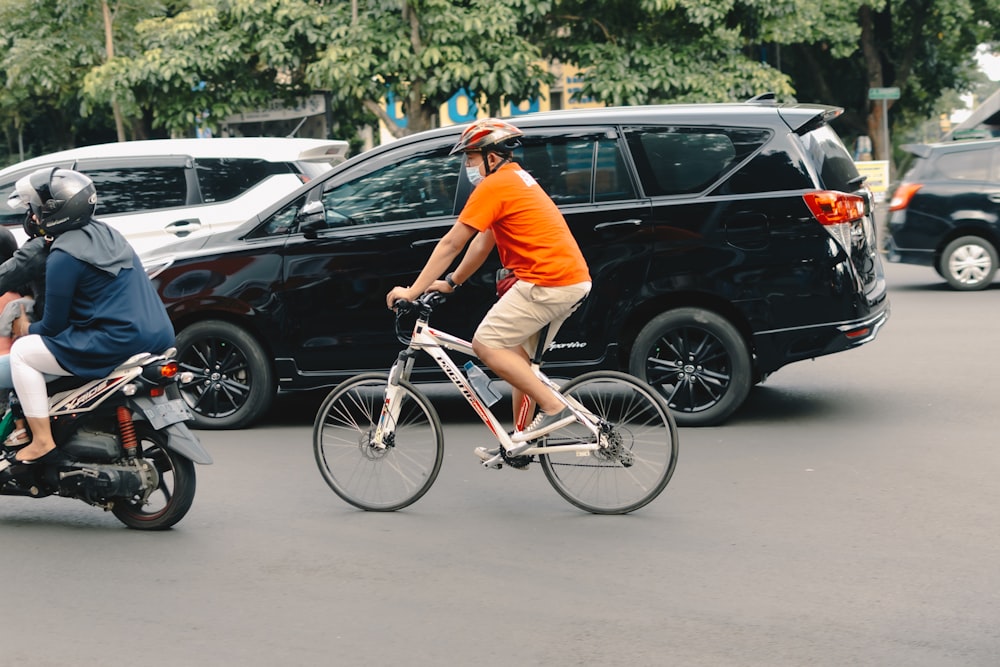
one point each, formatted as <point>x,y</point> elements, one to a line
<point>640,446</point>
<point>380,479</point>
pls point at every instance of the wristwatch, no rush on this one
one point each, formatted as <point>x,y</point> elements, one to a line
<point>451,282</point>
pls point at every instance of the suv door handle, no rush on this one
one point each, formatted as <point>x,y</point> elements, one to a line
<point>183,227</point>
<point>634,222</point>
<point>421,242</point>
<point>994,197</point>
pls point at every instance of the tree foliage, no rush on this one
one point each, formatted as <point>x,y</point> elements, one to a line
<point>423,51</point>
<point>46,49</point>
<point>185,62</point>
<point>213,59</point>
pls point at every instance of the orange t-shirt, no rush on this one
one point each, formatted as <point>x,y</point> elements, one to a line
<point>532,236</point>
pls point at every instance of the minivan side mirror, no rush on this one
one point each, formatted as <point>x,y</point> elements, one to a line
<point>311,218</point>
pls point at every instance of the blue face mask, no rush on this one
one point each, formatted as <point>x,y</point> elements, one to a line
<point>473,175</point>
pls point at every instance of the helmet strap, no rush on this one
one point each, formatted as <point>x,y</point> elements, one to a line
<point>504,159</point>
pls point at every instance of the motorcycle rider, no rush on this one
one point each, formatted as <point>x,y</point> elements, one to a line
<point>100,308</point>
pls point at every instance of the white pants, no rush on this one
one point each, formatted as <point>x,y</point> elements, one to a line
<point>30,362</point>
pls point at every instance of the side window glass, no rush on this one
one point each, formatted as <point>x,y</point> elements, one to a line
<point>563,166</point>
<point>971,165</point>
<point>282,222</point>
<point>422,186</point>
<point>674,161</point>
<point>9,216</point>
<point>140,189</point>
<point>221,179</point>
<point>611,179</point>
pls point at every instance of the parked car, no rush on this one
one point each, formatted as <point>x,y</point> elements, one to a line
<point>158,191</point>
<point>945,212</point>
<point>724,241</point>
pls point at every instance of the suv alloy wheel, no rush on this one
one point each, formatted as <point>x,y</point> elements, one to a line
<point>697,360</point>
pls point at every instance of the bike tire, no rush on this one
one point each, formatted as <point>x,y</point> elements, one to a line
<point>174,493</point>
<point>368,477</point>
<point>640,461</point>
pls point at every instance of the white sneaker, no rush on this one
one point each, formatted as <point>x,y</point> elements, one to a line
<point>541,425</point>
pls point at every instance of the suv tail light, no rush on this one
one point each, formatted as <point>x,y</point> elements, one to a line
<point>836,211</point>
<point>902,196</point>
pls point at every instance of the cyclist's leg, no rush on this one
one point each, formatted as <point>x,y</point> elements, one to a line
<point>517,319</point>
<point>508,334</point>
<point>500,338</point>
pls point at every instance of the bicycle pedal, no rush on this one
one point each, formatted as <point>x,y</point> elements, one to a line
<point>495,463</point>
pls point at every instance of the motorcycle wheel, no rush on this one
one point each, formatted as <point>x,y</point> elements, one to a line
<point>172,498</point>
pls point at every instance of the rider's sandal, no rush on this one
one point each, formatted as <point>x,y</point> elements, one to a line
<point>17,439</point>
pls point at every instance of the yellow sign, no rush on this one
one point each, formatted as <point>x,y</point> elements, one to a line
<point>877,172</point>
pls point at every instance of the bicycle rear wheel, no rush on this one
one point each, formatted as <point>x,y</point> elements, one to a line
<point>641,450</point>
<point>376,478</point>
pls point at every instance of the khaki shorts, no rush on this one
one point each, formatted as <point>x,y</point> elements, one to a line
<point>520,314</point>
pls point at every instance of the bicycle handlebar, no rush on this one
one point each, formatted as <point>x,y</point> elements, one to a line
<point>423,305</point>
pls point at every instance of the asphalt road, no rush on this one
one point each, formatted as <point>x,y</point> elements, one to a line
<point>846,515</point>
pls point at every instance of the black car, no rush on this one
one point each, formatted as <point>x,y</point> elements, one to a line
<point>945,212</point>
<point>724,242</point>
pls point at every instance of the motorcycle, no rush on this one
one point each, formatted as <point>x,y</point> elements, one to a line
<point>123,444</point>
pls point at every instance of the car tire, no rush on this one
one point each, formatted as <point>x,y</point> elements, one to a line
<point>969,263</point>
<point>233,382</point>
<point>698,361</point>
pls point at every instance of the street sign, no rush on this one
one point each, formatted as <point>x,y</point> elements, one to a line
<point>883,93</point>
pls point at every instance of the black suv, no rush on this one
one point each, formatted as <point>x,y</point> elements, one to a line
<point>945,212</point>
<point>724,242</point>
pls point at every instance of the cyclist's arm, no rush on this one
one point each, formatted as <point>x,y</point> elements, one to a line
<point>478,251</point>
<point>444,254</point>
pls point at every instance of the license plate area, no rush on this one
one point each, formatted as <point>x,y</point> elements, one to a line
<point>161,415</point>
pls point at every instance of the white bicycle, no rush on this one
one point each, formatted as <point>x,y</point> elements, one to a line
<point>379,443</point>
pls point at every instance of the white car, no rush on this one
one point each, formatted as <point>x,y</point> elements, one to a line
<point>162,190</point>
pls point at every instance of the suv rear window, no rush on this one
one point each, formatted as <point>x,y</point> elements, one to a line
<point>836,168</point>
<point>683,160</point>
<point>221,179</point>
<point>970,165</point>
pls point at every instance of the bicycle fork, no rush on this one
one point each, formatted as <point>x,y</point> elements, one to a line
<point>385,429</point>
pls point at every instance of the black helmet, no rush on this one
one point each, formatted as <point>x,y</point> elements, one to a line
<point>8,244</point>
<point>61,199</point>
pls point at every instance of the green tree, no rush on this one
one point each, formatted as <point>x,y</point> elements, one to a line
<point>213,58</point>
<point>47,48</point>
<point>923,47</point>
<point>653,51</point>
<point>647,51</point>
<point>423,51</point>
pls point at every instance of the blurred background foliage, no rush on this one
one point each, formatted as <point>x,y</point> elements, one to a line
<point>78,72</point>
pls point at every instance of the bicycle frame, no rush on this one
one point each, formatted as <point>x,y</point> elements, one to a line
<point>436,343</point>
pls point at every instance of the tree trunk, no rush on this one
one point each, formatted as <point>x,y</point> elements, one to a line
<point>881,148</point>
<point>109,48</point>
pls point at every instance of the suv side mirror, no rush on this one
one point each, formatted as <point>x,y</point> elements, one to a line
<point>311,218</point>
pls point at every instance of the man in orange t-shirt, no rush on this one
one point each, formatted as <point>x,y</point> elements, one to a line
<point>509,210</point>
